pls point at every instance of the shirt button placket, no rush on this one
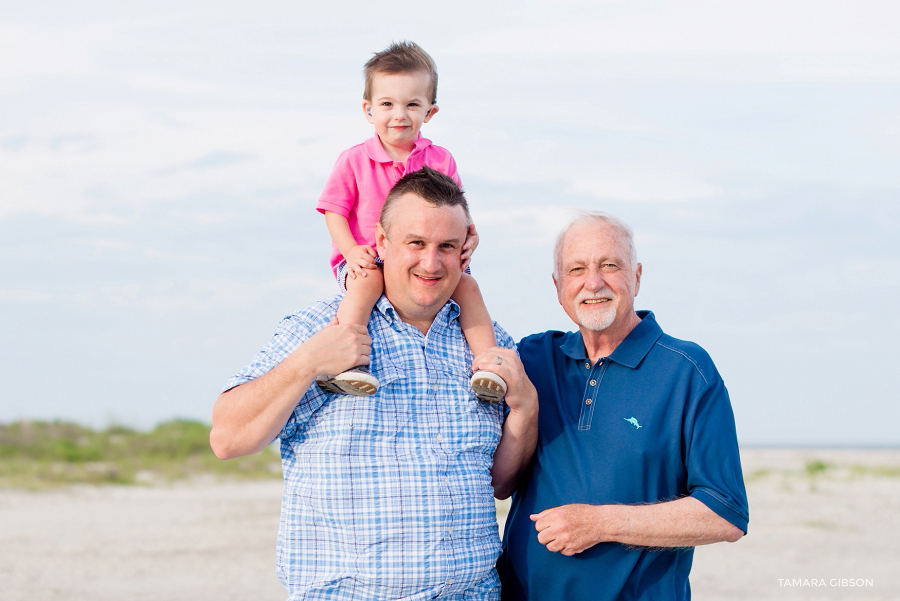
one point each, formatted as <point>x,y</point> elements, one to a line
<point>587,409</point>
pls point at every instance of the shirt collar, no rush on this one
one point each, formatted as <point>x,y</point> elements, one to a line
<point>378,154</point>
<point>448,312</point>
<point>630,351</point>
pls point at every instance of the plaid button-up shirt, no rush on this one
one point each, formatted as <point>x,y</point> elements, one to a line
<point>388,496</point>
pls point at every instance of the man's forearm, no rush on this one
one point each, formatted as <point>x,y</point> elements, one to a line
<point>516,448</point>
<point>520,429</point>
<point>685,522</point>
<point>248,417</point>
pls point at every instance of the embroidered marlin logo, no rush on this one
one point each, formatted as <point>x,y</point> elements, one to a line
<point>633,422</point>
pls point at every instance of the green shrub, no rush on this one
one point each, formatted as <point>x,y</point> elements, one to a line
<point>39,453</point>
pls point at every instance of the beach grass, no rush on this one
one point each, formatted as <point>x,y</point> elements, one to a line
<point>41,454</point>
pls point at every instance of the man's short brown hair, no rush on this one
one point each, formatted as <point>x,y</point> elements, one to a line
<point>430,185</point>
<point>401,57</point>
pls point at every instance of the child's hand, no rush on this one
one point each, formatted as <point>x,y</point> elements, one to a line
<point>468,247</point>
<point>360,258</point>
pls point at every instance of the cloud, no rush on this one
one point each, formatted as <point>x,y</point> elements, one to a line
<point>87,216</point>
<point>526,225</point>
<point>704,27</point>
<point>132,157</point>
<point>127,251</point>
<point>155,253</point>
<point>879,278</point>
<point>105,245</point>
<point>769,40</point>
<point>31,52</point>
<point>25,296</point>
<point>642,183</point>
<point>166,296</point>
<point>213,160</point>
<point>14,143</point>
<point>77,142</point>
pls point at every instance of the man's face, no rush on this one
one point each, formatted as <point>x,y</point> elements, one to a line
<point>595,283</point>
<point>421,250</point>
<point>400,104</point>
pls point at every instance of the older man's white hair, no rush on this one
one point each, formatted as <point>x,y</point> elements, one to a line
<point>583,217</point>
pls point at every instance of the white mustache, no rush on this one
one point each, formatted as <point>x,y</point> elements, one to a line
<point>603,294</point>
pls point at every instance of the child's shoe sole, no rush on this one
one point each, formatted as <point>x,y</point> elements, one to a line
<point>488,386</point>
<point>357,383</point>
<point>327,384</point>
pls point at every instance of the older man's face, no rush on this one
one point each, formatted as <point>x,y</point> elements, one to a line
<point>595,283</point>
<point>421,252</point>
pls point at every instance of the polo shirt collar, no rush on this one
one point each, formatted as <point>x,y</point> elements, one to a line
<point>630,351</point>
<point>378,154</point>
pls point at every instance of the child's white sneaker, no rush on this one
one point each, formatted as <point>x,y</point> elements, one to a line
<point>357,381</point>
<point>488,386</point>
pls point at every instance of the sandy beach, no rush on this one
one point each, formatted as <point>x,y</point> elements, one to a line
<point>823,525</point>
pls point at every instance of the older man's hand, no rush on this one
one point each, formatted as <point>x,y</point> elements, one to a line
<point>569,529</point>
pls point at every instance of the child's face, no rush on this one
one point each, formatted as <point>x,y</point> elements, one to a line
<point>400,104</point>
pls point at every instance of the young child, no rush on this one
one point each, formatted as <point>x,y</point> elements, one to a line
<point>400,95</point>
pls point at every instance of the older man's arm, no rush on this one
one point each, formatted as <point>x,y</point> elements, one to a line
<point>519,437</point>
<point>248,417</point>
<point>685,522</point>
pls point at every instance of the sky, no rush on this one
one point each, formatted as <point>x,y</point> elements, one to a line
<point>160,165</point>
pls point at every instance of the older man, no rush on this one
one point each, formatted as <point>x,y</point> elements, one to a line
<point>637,458</point>
<point>388,496</point>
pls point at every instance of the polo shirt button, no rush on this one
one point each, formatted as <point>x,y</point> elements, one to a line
<point>587,365</point>
<point>593,382</point>
<point>588,402</point>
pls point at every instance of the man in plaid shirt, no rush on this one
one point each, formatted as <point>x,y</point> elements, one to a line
<point>388,496</point>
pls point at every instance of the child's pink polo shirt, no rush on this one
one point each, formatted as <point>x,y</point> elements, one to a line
<point>362,177</point>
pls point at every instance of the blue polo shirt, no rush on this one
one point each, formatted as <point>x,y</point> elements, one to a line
<point>652,422</point>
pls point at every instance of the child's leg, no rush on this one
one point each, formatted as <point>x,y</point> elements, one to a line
<point>478,329</point>
<point>362,294</point>
<point>473,315</point>
<point>355,308</point>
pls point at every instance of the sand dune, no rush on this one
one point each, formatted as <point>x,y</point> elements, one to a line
<point>822,523</point>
